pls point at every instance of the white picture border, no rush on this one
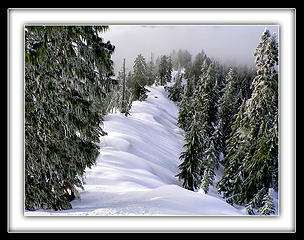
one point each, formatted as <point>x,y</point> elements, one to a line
<point>285,18</point>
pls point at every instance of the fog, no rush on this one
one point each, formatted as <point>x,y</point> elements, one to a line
<point>232,44</point>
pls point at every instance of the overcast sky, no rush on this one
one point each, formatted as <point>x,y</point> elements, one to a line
<point>235,44</point>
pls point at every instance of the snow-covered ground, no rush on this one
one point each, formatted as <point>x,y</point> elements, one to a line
<point>135,172</point>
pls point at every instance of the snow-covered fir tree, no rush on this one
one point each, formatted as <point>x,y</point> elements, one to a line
<point>176,90</point>
<point>190,173</point>
<point>206,97</point>
<point>235,152</point>
<point>67,78</point>
<point>151,71</point>
<point>209,164</point>
<point>140,71</point>
<point>267,204</point>
<point>164,70</point>
<point>185,111</point>
<point>256,135</point>
<point>227,110</point>
<point>204,108</point>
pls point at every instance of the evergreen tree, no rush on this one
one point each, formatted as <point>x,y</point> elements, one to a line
<point>256,153</point>
<point>190,167</point>
<point>183,59</point>
<point>196,69</point>
<point>200,162</point>
<point>185,111</point>
<point>206,98</point>
<point>169,69</point>
<point>164,70</point>
<point>227,109</point>
<point>243,85</point>
<point>151,71</point>
<point>140,71</point>
<point>176,90</point>
<point>139,92</point>
<point>209,164</point>
<point>267,204</point>
<point>67,70</point>
<point>139,79</point>
<point>220,75</point>
<point>236,148</point>
<point>173,56</point>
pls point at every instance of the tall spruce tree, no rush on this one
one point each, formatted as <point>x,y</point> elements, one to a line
<point>256,155</point>
<point>164,70</point>
<point>206,98</point>
<point>236,148</point>
<point>227,109</point>
<point>201,160</point>
<point>151,71</point>
<point>185,111</point>
<point>140,71</point>
<point>67,70</point>
<point>192,156</point>
<point>176,90</point>
<point>139,79</point>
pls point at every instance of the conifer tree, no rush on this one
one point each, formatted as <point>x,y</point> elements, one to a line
<point>176,90</point>
<point>185,111</point>
<point>209,164</point>
<point>139,92</point>
<point>139,79</point>
<point>183,59</point>
<point>67,70</point>
<point>164,70</point>
<point>151,71</point>
<point>200,162</point>
<point>192,156</point>
<point>267,204</point>
<point>206,98</point>
<point>196,69</point>
<point>140,71</point>
<point>256,153</point>
<point>227,110</point>
<point>236,147</point>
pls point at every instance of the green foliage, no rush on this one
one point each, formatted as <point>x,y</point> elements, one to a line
<point>164,70</point>
<point>227,109</point>
<point>185,111</point>
<point>180,59</point>
<point>176,90</point>
<point>66,81</point>
<point>139,92</point>
<point>190,167</point>
<point>267,207</point>
<point>200,162</point>
<point>140,71</point>
<point>236,116</point>
<point>252,154</point>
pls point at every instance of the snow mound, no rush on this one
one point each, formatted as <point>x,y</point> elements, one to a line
<point>135,172</point>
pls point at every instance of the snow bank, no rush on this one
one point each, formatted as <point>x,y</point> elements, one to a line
<point>135,172</point>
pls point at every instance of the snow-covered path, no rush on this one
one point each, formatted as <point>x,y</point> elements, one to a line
<point>135,172</point>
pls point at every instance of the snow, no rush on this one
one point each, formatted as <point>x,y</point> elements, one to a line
<point>135,173</point>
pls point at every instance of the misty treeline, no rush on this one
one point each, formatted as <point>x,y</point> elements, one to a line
<point>131,83</point>
<point>230,118</point>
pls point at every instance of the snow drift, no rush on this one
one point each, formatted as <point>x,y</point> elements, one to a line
<point>135,172</point>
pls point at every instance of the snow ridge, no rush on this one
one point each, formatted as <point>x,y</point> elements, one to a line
<point>135,172</point>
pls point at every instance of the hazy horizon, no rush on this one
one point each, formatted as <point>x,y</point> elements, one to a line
<point>230,44</point>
